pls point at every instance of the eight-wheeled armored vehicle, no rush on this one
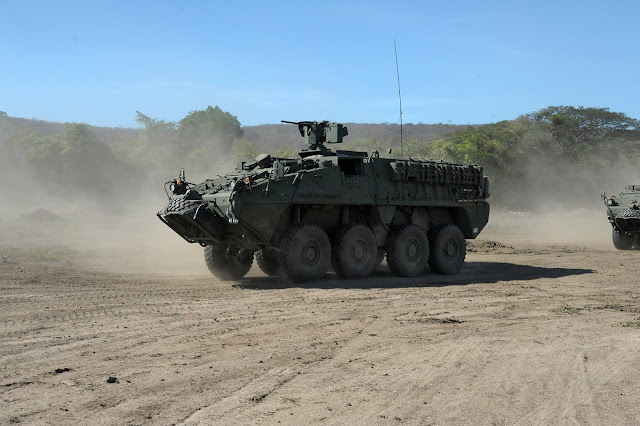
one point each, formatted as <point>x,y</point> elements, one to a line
<point>623,212</point>
<point>300,216</point>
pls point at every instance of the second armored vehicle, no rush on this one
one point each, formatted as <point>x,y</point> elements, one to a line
<point>623,212</point>
<point>345,209</point>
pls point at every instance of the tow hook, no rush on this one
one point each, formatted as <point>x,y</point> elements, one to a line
<point>232,217</point>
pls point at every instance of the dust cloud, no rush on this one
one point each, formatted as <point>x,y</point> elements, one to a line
<point>129,239</point>
<point>119,231</point>
<point>103,219</point>
<point>116,232</point>
<point>557,203</point>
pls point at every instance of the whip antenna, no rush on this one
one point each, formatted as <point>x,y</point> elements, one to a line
<point>399,95</point>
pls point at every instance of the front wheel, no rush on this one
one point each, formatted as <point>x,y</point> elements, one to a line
<point>227,262</point>
<point>621,240</point>
<point>305,253</point>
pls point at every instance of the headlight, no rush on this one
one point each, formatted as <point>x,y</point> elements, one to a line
<point>610,202</point>
<point>172,187</point>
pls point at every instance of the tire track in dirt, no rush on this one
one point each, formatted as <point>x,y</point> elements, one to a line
<point>256,398</point>
<point>488,346</point>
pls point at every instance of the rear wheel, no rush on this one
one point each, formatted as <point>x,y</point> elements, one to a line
<point>407,250</point>
<point>448,249</point>
<point>228,262</point>
<point>354,251</point>
<point>621,240</point>
<point>268,259</point>
<point>305,253</point>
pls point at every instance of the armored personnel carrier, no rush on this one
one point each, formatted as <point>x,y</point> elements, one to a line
<point>623,212</point>
<point>300,216</point>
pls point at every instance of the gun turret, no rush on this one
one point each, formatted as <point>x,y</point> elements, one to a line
<point>320,132</point>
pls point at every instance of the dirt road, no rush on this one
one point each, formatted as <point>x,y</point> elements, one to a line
<point>541,327</point>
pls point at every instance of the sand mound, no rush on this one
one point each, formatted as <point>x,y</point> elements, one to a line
<point>43,215</point>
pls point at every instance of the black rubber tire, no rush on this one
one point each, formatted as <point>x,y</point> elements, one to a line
<point>448,249</point>
<point>268,260</point>
<point>354,251</point>
<point>407,250</point>
<point>621,240</point>
<point>228,263</point>
<point>305,253</point>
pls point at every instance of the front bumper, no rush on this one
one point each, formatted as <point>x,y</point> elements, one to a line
<point>630,225</point>
<point>193,221</point>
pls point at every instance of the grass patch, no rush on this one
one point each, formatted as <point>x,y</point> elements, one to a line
<point>567,310</point>
<point>612,305</point>
<point>289,400</point>
<point>627,324</point>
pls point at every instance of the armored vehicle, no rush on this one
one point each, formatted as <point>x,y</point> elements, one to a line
<point>623,212</point>
<point>300,216</point>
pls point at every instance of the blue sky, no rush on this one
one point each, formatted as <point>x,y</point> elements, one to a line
<point>460,61</point>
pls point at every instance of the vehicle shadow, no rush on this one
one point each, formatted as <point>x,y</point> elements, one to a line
<point>471,273</point>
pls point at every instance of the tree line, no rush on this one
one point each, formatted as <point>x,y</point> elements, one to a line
<point>565,147</point>
<point>564,154</point>
<point>71,157</point>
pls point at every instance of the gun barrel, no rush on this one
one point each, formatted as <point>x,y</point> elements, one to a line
<point>304,123</point>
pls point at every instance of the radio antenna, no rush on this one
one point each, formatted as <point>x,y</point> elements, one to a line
<point>399,95</point>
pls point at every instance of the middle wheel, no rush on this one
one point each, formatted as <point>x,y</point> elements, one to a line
<point>407,250</point>
<point>305,253</point>
<point>354,251</point>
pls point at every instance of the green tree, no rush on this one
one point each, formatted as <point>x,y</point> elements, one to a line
<point>242,150</point>
<point>418,148</point>
<point>156,145</point>
<point>41,154</point>
<point>579,132</point>
<point>213,129</point>
<point>73,159</point>
<point>87,163</point>
<point>497,147</point>
<point>81,150</point>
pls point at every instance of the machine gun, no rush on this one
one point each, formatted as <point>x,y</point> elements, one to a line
<point>320,132</point>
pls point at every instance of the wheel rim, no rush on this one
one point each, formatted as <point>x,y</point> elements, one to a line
<point>450,249</point>
<point>358,251</point>
<point>310,253</point>
<point>412,251</point>
<point>234,254</point>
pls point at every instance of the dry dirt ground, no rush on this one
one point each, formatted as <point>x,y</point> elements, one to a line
<point>542,326</point>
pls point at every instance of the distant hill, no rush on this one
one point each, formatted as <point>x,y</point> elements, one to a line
<point>272,137</point>
<point>265,137</point>
<point>11,125</point>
